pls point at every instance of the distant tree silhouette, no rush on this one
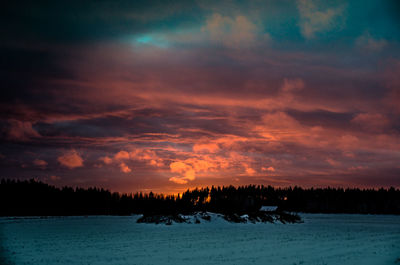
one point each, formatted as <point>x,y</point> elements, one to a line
<point>35,198</point>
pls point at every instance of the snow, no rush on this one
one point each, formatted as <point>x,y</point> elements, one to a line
<point>268,208</point>
<point>321,239</point>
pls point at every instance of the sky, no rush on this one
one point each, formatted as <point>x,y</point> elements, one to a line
<point>170,95</point>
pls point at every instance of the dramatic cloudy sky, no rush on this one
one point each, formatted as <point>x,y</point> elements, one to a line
<point>170,95</point>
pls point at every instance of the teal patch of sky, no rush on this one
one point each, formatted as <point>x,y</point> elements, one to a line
<point>283,24</point>
<point>151,40</point>
<point>370,16</point>
<point>360,17</point>
<point>158,35</point>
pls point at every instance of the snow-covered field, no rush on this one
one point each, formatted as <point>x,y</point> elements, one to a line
<point>321,239</point>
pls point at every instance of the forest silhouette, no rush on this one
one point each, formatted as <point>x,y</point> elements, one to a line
<point>35,198</point>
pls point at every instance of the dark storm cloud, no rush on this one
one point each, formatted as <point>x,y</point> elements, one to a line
<point>322,118</point>
<point>77,21</point>
<point>41,40</point>
<point>24,71</point>
<point>138,122</point>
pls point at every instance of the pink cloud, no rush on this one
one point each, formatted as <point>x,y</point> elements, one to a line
<point>21,130</point>
<point>369,43</point>
<point>314,19</point>
<point>332,162</point>
<point>204,163</point>
<point>290,85</point>
<point>271,169</point>
<point>40,163</point>
<point>371,121</point>
<point>124,168</point>
<point>71,159</point>
<point>178,180</point>
<point>121,155</point>
<point>156,163</point>
<point>54,177</point>
<point>348,142</point>
<point>208,147</point>
<point>250,171</point>
<point>185,169</point>
<point>237,32</point>
<point>392,80</point>
<point>106,160</point>
<point>143,154</point>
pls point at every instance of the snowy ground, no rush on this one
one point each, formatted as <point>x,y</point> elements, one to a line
<point>321,239</point>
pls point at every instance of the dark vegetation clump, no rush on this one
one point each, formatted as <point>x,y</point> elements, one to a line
<point>206,217</point>
<point>35,198</point>
<point>234,218</point>
<point>158,219</point>
<point>285,217</point>
<point>261,217</point>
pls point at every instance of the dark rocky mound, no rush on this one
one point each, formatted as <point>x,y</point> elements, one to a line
<point>161,219</point>
<point>253,217</point>
<point>263,217</point>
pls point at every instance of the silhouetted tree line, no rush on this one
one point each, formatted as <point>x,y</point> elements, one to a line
<point>34,198</point>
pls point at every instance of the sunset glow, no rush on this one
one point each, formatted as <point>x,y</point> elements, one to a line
<point>164,97</point>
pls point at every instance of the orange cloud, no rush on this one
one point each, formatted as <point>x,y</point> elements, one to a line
<point>348,142</point>
<point>124,168</point>
<point>332,162</point>
<point>290,85</point>
<point>148,156</point>
<point>250,171</point>
<point>21,130</point>
<point>121,155</point>
<point>209,147</point>
<point>392,81</point>
<point>71,159</point>
<point>40,163</point>
<point>106,160</point>
<point>271,169</point>
<point>371,121</point>
<point>54,177</point>
<point>178,180</point>
<point>156,163</point>
<point>204,163</point>
<point>183,168</point>
<point>187,172</point>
